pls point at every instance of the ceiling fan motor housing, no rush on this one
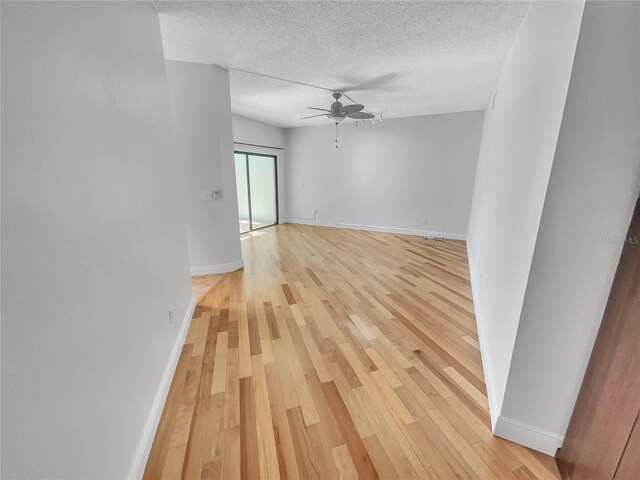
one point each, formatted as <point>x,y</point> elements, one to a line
<point>336,106</point>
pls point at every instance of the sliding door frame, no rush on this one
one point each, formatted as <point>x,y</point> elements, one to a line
<point>275,178</point>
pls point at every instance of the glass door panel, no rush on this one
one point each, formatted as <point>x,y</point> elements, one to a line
<point>242,184</point>
<point>262,191</point>
<point>257,186</point>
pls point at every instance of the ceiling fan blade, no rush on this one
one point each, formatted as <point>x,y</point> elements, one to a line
<point>321,109</point>
<point>347,109</point>
<point>360,115</point>
<point>313,116</point>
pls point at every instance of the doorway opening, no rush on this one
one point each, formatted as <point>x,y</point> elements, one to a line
<point>257,184</point>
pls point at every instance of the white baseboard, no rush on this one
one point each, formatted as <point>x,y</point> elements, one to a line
<point>494,404</point>
<point>375,228</point>
<point>502,426</point>
<point>153,419</point>
<point>528,435</point>
<point>219,268</point>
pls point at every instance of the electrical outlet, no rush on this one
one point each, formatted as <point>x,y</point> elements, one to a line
<point>171,316</point>
<point>315,214</point>
<point>425,220</point>
<point>208,195</point>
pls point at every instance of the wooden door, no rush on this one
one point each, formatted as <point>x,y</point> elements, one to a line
<point>603,438</point>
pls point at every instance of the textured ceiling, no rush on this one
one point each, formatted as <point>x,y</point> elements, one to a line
<point>402,58</point>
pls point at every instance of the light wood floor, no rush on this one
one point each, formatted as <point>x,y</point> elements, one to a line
<point>336,354</point>
<point>202,284</point>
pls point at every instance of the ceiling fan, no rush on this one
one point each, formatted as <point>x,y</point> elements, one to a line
<point>338,112</point>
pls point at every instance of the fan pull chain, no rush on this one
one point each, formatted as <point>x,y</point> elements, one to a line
<point>336,135</point>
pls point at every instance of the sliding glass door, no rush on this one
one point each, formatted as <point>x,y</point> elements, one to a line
<point>257,183</point>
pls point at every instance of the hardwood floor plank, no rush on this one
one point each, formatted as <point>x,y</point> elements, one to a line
<point>328,419</point>
<point>357,450</point>
<point>344,464</point>
<point>323,458</point>
<point>264,424</point>
<point>302,445</point>
<point>219,380</point>
<point>232,453</point>
<point>161,442</point>
<point>379,457</point>
<point>384,368</point>
<point>438,462</point>
<point>249,460</point>
<point>281,431</point>
<point>480,469</point>
<point>494,462</point>
<point>244,342</point>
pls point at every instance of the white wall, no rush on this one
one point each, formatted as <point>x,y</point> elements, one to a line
<point>518,143</point>
<point>253,136</point>
<point>202,121</point>
<point>248,130</point>
<point>93,243</point>
<point>389,175</point>
<point>593,188</point>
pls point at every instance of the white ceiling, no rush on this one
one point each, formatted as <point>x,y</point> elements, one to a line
<point>402,58</point>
